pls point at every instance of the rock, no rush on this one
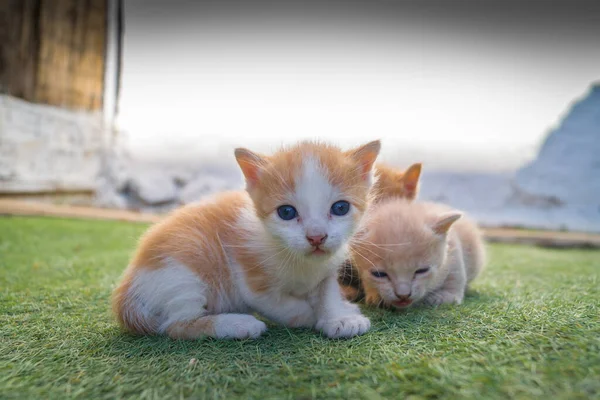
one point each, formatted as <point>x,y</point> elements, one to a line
<point>121,176</point>
<point>107,196</point>
<point>204,185</point>
<point>117,173</point>
<point>567,168</point>
<point>153,187</point>
<point>467,190</point>
<point>560,189</point>
<point>182,175</point>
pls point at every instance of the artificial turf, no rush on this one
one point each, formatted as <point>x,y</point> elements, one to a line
<point>530,328</point>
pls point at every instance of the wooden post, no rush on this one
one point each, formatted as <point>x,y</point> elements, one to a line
<point>19,47</point>
<point>52,51</point>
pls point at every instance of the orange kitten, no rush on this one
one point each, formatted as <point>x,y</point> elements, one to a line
<point>274,249</point>
<point>390,183</point>
<point>418,252</point>
<point>393,183</point>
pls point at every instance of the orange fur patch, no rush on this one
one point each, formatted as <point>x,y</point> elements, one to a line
<point>190,330</point>
<point>392,183</point>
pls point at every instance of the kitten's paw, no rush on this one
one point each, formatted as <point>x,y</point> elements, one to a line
<point>439,298</point>
<point>238,326</point>
<point>344,327</point>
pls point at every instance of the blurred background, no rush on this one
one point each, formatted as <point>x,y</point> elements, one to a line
<point>137,104</point>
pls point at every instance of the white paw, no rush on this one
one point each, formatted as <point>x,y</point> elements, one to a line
<point>238,326</point>
<point>344,327</point>
<point>439,298</point>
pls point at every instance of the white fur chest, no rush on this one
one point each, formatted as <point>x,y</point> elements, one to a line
<point>306,276</point>
<point>303,279</point>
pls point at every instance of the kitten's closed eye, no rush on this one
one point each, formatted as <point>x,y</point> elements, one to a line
<point>287,212</point>
<point>379,274</point>
<point>422,270</point>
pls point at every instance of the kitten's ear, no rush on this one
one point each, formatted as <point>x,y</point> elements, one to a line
<point>366,155</point>
<point>250,163</point>
<point>445,221</point>
<point>410,178</point>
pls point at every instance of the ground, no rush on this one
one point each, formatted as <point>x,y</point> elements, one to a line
<point>530,328</point>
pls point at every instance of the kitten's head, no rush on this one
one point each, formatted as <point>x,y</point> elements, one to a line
<point>310,196</point>
<point>402,250</point>
<point>392,183</point>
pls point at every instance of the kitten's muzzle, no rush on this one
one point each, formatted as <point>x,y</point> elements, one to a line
<point>402,301</point>
<point>403,297</point>
<point>316,240</point>
<point>402,290</point>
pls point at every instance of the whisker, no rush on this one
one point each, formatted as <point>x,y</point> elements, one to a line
<point>365,258</point>
<point>364,243</point>
<point>366,248</point>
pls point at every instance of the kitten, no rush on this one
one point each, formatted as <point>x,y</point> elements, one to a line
<point>390,183</point>
<point>393,183</point>
<point>417,252</point>
<point>274,249</point>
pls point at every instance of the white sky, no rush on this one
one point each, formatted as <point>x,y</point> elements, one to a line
<point>442,96</point>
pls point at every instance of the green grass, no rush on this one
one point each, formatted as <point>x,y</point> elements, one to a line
<point>529,329</point>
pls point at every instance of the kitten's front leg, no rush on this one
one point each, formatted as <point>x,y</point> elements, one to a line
<point>443,296</point>
<point>451,292</point>
<point>453,289</point>
<point>286,310</point>
<point>336,317</point>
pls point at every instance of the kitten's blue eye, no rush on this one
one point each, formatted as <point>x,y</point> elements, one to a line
<point>287,212</point>
<point>340,208</point>
<point>379,274</point>
<point>422,270</point>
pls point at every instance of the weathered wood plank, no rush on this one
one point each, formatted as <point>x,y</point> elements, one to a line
<point>19,47</point>
<point>53,51</point>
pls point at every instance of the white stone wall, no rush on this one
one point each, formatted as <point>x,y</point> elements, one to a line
<point>44,148</point>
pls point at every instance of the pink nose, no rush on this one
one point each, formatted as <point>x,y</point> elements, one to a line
<point>316,240</point>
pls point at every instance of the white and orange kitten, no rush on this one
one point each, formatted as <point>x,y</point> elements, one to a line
<point>417,252</point>
<point>274,249</point>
